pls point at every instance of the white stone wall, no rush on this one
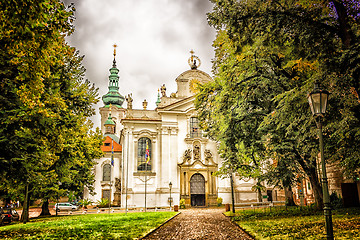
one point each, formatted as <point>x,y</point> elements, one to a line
<point>98,171</point>
<point>168,127</point>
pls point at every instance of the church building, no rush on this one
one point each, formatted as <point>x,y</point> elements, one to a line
<point>157,157</point>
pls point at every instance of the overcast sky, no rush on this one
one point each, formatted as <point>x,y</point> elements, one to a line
<point>154,38</point>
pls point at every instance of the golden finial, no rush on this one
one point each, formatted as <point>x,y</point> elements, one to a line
<point>192,55</point>
<point>115,46</point>
<point>192,60</point>
<point>145,104</point>
<point>110,108</point>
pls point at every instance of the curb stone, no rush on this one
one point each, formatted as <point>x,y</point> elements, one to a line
<point>153,230</point>
<point>236,224</point>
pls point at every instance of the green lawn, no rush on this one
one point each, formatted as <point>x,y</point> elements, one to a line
<point>299,223</point>
<point>91,226</point>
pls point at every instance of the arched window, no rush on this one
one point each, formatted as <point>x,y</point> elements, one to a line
<point>106,172</point>
<point>144,154</point>
<point>194,128</point>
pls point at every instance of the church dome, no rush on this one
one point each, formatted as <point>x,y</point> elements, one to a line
<point>188,80</point>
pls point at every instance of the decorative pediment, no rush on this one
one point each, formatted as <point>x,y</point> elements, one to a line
<point>191,159</point>
<point>145,133</point>
<point>197,165</point>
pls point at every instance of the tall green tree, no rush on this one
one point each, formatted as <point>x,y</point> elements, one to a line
<point>44,102</point>
<point>277,50</point>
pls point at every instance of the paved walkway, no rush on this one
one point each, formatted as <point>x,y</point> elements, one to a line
<point>199,223</point>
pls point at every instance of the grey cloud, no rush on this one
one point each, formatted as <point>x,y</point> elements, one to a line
<point>154,39</point>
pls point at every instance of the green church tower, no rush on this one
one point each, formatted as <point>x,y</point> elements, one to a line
<point>113,97</point>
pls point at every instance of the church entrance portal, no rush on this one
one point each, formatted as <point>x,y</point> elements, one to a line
<point>197,190</point>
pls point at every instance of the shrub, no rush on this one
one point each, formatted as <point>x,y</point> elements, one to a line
<point>85,202</point>
<point>336,201</point>
<point>104,202</point>
<point>219,201</point>
<point>277,212</point>
<point>182,203</point>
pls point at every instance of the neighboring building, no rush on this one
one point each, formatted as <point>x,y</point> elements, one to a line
<point>347,189</point>
<point>155,147</point>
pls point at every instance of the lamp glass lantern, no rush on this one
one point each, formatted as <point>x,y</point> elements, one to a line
<point>318,99</point>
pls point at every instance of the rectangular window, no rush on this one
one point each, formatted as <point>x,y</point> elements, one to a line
<point>194,128</point>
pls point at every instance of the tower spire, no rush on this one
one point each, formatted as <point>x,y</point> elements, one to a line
<point>158,98</point>
<point>113,96</point>
<point>114,62</point>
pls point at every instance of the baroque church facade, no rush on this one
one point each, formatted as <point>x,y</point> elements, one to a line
<point>151,155</point>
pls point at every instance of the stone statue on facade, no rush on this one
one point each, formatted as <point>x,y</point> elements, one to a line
<point>208,155</point>
<point>117,185</point>
<point>196,152</point>
<point>187,155</point>
<point>129,100</point>
<point>163,90</point>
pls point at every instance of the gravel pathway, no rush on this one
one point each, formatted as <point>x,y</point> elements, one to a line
<point>199,223</point>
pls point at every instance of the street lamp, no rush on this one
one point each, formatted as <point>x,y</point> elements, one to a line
<point>232,191</point>
<point>170,186</point>
<point>318,99</point>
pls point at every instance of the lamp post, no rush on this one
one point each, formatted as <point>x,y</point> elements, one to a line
<point>170,186</point>
<point>232,191</point>
<point>318,99</point>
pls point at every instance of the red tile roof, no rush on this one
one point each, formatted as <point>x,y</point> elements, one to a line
<point>117,147</point>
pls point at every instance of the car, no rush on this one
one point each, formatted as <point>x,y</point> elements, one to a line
<point>65,207</point>
<point>8,215</point>
<point>4,217</point>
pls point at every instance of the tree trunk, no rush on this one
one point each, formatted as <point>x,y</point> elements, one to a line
<point>345,31</point>
<point>25,211</point>
<point>289,199</point>
<point>316,187</point>
<point>310,168</point>
<point>45,208</point>
<point>259,195</point>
